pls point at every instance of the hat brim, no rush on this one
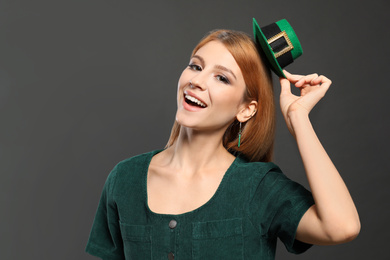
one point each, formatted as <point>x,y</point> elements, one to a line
<point>263,42</point>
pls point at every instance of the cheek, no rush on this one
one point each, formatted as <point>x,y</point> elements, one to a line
<point>184,77</point>
<point>181,83</point>
<point>229,100</point>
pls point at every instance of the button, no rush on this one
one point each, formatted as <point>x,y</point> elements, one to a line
<point>171,256</point>
<point>172,224</point>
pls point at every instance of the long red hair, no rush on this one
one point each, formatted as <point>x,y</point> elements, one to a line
<point>258,133</point>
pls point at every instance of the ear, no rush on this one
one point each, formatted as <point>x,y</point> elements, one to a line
<point>247,111</point>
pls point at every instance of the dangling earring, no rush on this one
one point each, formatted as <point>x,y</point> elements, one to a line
<point>239,136</point>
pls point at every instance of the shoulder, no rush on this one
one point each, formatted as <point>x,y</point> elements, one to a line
<point>266,174</point>
<point>136,160</point>
<point>252,176</point>
<point>256,169</point>
<point>133,165</point>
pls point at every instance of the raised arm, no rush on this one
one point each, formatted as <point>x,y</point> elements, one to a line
<point>334,218</point>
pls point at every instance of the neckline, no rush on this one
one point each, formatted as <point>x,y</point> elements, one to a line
<point>220,187</point>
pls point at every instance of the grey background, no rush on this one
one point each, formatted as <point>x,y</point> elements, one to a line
<point>85,84</point>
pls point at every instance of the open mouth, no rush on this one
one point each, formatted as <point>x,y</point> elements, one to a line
<point>194,101</point>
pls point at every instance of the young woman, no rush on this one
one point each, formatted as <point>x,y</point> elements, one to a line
<point>213,193</point>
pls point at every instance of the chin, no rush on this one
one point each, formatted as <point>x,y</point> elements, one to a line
<point>196,121</point>
<point>187,122</point>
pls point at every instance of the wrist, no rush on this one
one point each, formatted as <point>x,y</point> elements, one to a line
<point>299,121</point>
<point>297,116</point>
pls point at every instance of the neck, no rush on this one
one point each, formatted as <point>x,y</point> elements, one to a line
<point>199,149</point>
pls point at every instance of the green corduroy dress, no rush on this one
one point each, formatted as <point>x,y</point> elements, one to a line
<point>254,205</point>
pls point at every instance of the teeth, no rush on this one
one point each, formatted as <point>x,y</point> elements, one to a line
<point>195,100</point>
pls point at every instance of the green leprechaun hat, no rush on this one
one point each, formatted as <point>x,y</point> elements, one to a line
<point>279,43</point>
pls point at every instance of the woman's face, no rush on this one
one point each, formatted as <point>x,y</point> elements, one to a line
<point>210,89</point>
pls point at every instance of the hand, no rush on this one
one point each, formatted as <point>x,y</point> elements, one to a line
<point>313,88</point>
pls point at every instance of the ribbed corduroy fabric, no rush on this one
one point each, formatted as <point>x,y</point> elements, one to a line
<point>254,205</point>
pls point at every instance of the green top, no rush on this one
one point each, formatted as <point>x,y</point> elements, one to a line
<point>254,204</point>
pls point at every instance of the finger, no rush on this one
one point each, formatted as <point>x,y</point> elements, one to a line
<point>306,80</point>
<point>285,86</point>
<point>321,80</point>
<point>293,78</point>
<point>324,83</point>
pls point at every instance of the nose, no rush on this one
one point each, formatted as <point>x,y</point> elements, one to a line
<point>198,82</point>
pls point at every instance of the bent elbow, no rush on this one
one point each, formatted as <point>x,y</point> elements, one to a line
<point>345,233</point>
<point>353,231</point>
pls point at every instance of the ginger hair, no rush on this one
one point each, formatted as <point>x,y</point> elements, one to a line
<point>258,133</point>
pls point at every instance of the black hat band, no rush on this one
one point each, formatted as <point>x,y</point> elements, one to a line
<point>280,44</point>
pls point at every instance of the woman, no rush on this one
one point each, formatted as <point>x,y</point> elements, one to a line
<point>213,193</point>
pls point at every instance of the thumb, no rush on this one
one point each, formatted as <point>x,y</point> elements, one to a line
<point>285,86</point>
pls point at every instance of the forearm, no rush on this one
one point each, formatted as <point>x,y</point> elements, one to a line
<point>335,210</point>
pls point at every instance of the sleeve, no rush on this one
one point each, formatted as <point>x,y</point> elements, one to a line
<point>105,239</point>
<point>284,202</point>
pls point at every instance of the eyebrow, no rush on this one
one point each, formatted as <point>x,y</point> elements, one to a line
<point>225,69</point>
<point>216,66</point>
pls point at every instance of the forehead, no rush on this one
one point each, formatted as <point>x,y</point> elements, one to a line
<point>214,53</point>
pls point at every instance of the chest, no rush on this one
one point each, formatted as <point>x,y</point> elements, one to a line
<point>219,229</point>
<point>174,193</point>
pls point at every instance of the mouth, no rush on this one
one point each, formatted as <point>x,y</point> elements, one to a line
<point>193,101</point>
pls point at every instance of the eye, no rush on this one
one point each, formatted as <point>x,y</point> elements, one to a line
<point>223,79</point>
<point>195,67</point>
